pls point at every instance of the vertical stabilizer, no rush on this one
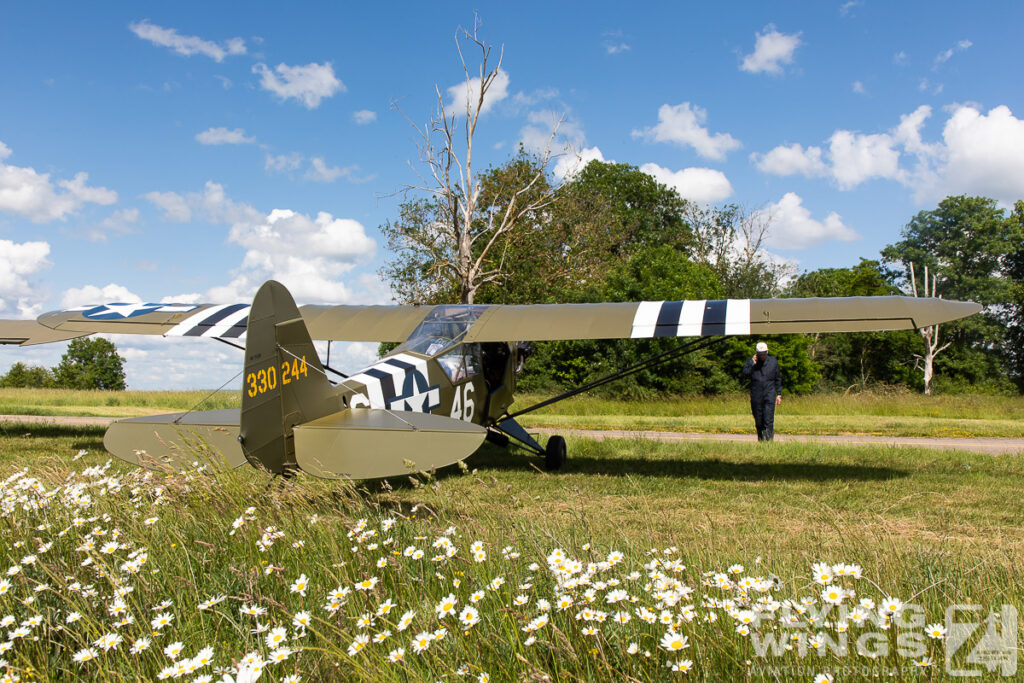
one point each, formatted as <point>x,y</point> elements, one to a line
<point>283,384</point>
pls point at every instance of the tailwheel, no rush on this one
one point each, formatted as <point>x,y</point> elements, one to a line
<point>554,454</point>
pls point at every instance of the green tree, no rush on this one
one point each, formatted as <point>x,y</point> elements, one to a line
<point>600,218</point>
<point>860,358</point>
<point>654,273</point>
<point>446,241</point>
<point>730,240</point>
<point>21,375</point>
<point>966,242</point>
<point>90,364</point>
<point>800,373</point>
<point>1013,314</point>
<point>425,250</point>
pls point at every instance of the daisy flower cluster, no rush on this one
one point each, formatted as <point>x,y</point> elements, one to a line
<point>81,587</point>
<point>142,575</point>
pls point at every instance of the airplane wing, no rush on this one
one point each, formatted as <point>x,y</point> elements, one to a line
<point>491,323</point>
<point>225,321</point>
<point>29,332</point>
<point>708,318</point>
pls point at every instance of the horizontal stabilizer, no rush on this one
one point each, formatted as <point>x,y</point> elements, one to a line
<point>367,443</point>
<point>177,439</point>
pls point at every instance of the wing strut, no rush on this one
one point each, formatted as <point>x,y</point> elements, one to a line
<point>647,363</point>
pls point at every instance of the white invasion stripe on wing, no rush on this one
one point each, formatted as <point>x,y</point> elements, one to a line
<point>182,328</point>
<point>691,318</point>
<point>645,319</point>
<point>227,323</point>
<point>737,316</point>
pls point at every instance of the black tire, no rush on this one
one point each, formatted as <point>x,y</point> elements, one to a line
<point>554,454</point>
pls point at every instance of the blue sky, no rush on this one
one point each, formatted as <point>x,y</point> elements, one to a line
<point>186,151</point>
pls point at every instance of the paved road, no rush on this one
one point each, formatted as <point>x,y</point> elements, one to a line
<point>979,445</point>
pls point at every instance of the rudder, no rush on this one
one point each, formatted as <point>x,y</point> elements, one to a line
<point>283,384</point>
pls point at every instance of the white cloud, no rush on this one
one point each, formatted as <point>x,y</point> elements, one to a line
<point>900,58</point>
<point>771,50</point>
<point>281,163</point>
<point>170,363</point>
<point>852,159</point>
<point>93,295</point>
<point>858,87</point>
<point>550,130</point>
<point>616,48</point>
<point>702,185</point>
<point>77,188</point>
<point>322,173</point>
<point>563,137</point>
<point>857,158</point>
<point>946,55</point>
<point>309,84</point>
<point>570,163</point>
<point>18,263</point>
<point>981,154</point>
<point>846,9</point>
<point>791,225</point>
<point>121,222</point>
<point>223,136</point>
<point>364,116</point>
<point>682,124</point>
<point>978,153</point>
<point>522,100</point>
<point>172,204</point>
<point>310,255</point>
<point>186,45</point>
<point>792,159</point>
<point>25,192</point>
<point>463,96</point>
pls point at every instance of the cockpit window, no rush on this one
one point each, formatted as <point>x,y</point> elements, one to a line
<point>461,362</point>
<point>443,328</point>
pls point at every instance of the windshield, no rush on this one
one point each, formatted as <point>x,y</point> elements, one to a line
<point>444,327</point>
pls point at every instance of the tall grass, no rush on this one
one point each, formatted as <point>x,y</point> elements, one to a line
<point>701,538</point>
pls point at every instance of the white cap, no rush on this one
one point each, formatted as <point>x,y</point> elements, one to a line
<point>762,347</point>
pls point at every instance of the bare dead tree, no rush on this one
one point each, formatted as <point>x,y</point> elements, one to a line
<point>731,241</point>
<point>458,248</point>
<point>930,334</point>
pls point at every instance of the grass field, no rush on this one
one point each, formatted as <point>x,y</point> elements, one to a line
<point>889,414</point>
<point>110,403</point>
<point>662,523</point>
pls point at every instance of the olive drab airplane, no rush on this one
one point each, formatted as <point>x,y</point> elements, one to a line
<point>432,400</point>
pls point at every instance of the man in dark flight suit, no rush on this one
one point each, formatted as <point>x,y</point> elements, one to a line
<point>765,390</point>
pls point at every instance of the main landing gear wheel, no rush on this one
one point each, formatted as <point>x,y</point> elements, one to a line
<point>554,454</point>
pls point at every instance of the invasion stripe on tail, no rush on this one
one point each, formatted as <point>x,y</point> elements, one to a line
<point>700,318</point>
